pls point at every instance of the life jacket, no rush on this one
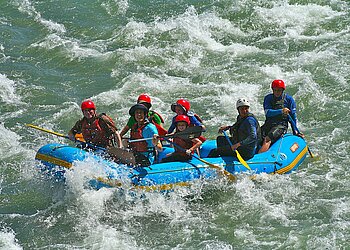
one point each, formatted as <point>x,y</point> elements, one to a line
<point>281,119</point>
<point>151,114</point>
<point>161,131</point>
<point>190,113</point>
<point>100,131</point>
<point>136,133</point>
<point>239,135</point>
<point>183,143</point>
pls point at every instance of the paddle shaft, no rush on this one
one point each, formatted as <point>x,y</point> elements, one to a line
<point>221,170</point>
<point>190,132</point>
<point>64,136</point>
<point>295,128</point>
<point>239,157</point>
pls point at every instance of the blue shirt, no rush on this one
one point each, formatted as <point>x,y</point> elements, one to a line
<point>288,103</point>
<point>148,131</point>
<point>250,126</point>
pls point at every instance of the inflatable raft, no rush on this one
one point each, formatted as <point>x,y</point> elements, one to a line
<point>283,157</point>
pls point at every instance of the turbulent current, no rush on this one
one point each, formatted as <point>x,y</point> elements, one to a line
<point>54,54</point>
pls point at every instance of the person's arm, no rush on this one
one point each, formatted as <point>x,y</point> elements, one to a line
<point>118,140</point>
<point>196,144</point>
<point>129,125</point>
<point>156,143</point>
<point>151,131</point>
<point>223,128</point>
<point>253,135</point>
<point>75,130</point>
<point>172,126</point>
<point>124,131</point>
<point>269,111</point>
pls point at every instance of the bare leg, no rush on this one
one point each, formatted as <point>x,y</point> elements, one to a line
<point>266,145</point>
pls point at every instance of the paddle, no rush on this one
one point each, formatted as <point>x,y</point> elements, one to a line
<point>64,136</point>
<point>239,157</point>
<point>294,127</point>
<point>188,133</point>
<point>219,169</point>
<point>122,155</point>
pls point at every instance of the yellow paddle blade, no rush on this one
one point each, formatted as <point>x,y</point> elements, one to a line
<point>221,170</point>
<point>242,161</point>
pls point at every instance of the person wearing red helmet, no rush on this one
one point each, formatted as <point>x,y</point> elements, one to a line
<point>245,134</point>
<point>182,107</point>
<point>278,107</point>
<point>146,150</point>
<point>97,129</point>
<point>152,115</point>
<point>190,145</point>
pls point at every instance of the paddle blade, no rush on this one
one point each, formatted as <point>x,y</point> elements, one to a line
<point>242,161</point>
<point>190,133</point>
<point>121,155</point>
<point>219,169</point>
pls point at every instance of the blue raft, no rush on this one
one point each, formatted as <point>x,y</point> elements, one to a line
<point>284,156</point>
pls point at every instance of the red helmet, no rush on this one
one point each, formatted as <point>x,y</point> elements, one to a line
<point>144,98</point>
<point>278,84</point>
<point>182,118</point>
<point>184,104</point>
<point>87,104</point>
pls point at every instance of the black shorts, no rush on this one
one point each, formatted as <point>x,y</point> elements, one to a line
<point>224,149</point>
<point>276,132</point>
<point>176,157</point>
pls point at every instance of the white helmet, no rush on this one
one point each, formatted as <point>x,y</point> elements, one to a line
<point>242,102</point>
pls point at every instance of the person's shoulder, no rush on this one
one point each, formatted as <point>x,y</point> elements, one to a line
<point>151,128</point>
<point>252,117</point>
<point>81,120</point>
<point>190,113</point>
<point>289,97</point>
<point>131,119</point>
<point>156,116</point>
<point>106,118</point>
<point>268,96</point>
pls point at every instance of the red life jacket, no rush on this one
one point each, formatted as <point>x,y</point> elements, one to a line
<point>93,132</point>
<point>161,131</point>
<point>185,144</point>
<point>136,133</point>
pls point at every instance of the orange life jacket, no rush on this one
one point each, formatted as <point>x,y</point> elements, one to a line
<point>98,131</point>
<point>136,133</point>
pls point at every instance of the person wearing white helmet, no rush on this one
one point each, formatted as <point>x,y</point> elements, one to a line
<point>245,134</point>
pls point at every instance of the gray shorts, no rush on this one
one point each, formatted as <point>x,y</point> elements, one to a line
<point>276,132</point>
